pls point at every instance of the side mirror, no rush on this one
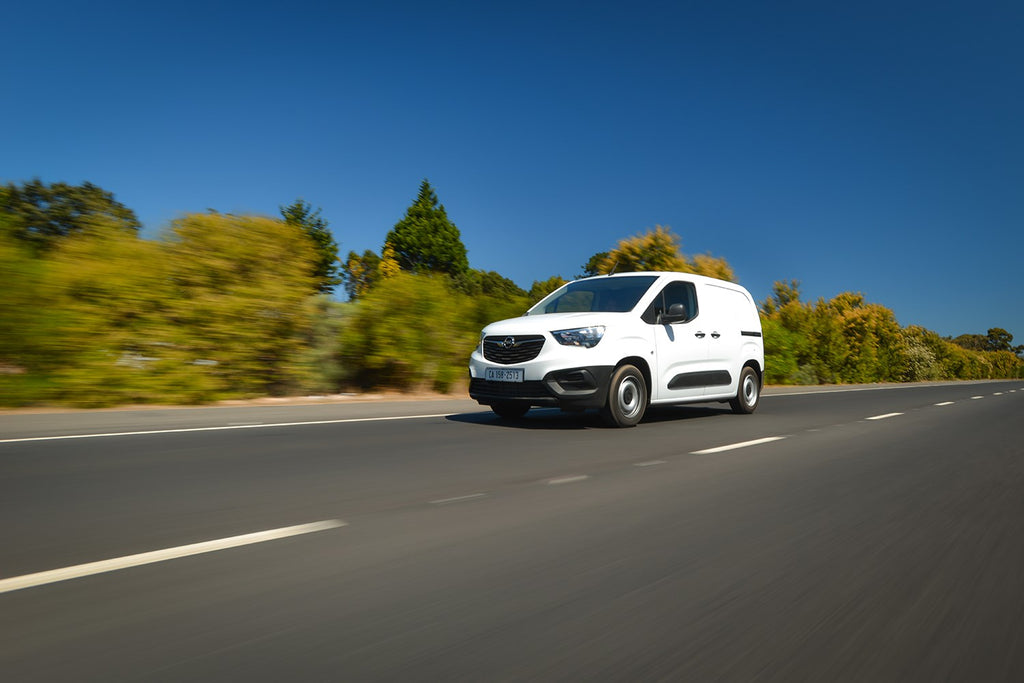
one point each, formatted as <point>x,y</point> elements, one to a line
<point>676,313</point>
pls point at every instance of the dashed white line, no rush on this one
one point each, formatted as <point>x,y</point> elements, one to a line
<point>458,499</point>
<point>945,403</point>
<point>649,463</point>
<point>733,446</point>
<point>998,393</point>
<point>78,571</point>
<point>883,417</point>
<point>975,398</point>
<point>568,480</point>
<point>223,428</point>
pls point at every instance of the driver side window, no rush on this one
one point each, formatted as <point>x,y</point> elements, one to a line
<point>674,293</point>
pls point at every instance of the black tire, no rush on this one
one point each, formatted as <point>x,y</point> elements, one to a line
<point>748,394</point>
<point>627,398</point>
<point>510,409</point>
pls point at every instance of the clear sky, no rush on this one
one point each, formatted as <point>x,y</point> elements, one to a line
<point>873,146</point>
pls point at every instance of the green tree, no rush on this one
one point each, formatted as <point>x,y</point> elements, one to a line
<point>475,282</point>
<point>974,342</point>
<point>593,265</point>
<point>361,273</point>
<point>326,266</point>
<point>999,339</point>
<point>541,288</point>
<point>42,214</point>
<point>425,240</point>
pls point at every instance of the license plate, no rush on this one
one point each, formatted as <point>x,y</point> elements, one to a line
<point>504,375</point>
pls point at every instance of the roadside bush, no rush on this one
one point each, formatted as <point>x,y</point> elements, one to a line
<point>416,332</point>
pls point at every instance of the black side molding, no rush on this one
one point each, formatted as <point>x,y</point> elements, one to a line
<point>690,380</point>
<point>750,334</point>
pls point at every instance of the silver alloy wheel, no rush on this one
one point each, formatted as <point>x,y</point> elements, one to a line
<point>629,396</point>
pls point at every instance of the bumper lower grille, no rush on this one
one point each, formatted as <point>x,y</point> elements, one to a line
<point>511,350</point>
<point>482,390</point>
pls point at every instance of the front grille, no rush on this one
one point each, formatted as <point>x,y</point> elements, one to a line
<point>508,391</point>
<point>520,349</point>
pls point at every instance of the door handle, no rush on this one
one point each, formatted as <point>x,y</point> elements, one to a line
<point>699,335</point>
<point>715,335</point>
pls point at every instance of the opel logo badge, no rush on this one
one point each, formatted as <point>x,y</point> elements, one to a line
<point>508,343</point>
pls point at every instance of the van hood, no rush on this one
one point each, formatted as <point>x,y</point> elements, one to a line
<point>549,322</point>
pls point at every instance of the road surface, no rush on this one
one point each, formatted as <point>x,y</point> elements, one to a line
<point>869,535</point>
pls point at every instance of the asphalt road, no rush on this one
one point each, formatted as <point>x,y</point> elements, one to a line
<point>873,535</point>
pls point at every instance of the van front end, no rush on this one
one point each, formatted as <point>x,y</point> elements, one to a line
<point>517,366</point>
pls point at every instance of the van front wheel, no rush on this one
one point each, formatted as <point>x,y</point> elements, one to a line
<point>749,393</point>
<point>627,398</point>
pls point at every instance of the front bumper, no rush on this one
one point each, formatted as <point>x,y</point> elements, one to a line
<point>569,389</point>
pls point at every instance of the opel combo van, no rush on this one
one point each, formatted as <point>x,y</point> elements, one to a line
<point>619,343</point>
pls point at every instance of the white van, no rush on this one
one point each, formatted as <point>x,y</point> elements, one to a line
<point>619,343</point>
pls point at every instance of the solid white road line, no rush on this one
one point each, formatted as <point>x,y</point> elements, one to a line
<point>223,428</point>
<point>81,570</point>
<point>733,446</point>
<point>883,417</point>
<point>568,480</point>
<point>458,499</point>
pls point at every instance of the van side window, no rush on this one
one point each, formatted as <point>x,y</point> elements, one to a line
<point>674,293</point>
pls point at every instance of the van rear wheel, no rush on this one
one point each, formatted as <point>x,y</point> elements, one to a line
<point>748,395</point>
<point>627,398</point>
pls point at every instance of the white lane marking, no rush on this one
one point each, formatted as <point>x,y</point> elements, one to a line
<point>998,393</point>
<point>117,563</point>
<point>945,403</point>
<point>568,480</point>
<point>883,417</point>
<point>223,428</point>
<point>458,499</point>
<point>733,446</point>
<point>649,463</point>
<point>975,398</point>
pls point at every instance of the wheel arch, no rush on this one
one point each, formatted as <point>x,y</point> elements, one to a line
<point>757,368</point>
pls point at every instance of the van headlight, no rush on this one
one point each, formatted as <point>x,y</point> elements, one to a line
<point>587,337</point>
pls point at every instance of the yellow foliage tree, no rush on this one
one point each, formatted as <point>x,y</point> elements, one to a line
<point>660,249</point>
<point>388,266</point>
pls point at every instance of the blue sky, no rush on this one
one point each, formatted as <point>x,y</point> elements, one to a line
<point>871,147</point>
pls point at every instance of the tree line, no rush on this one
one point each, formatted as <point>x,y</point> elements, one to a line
<point>226,306</point>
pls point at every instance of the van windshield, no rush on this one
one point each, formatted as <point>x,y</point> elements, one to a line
<point>598,295</point>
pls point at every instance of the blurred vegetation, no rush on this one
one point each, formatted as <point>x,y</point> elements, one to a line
<point>223,306</point>
<point>659,249</point>
<point>847,340</point>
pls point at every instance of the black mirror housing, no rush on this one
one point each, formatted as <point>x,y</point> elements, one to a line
<point>676,313</point>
